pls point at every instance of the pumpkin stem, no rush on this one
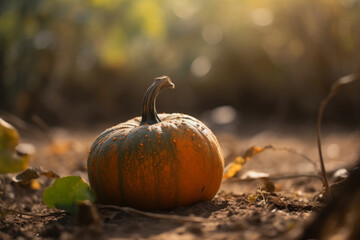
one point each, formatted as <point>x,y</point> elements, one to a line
<point>149,115</point>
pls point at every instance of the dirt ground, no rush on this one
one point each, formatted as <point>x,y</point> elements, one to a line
<point>277,208</point>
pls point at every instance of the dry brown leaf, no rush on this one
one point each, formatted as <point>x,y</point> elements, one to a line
<point>252,151</point>
<point>235,166</point>
<point>49,174</point>
<point>30,174</point>
<point>35,185</point>
<point>26,176</point>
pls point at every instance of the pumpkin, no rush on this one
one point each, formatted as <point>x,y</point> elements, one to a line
<point>156,161</point>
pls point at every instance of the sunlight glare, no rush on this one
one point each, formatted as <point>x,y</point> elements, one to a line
<point>212,34</point>
<point>223,115</point>
<point>262,17</point>
<point>184,9</point>
<point>201,66</point>
<point>333,150</point>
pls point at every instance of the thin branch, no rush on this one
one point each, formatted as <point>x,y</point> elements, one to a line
<point>153,215</point>
<point>295,152</point>
<point>275,178</point>
<point>295,176</point>
<point>31,214</point>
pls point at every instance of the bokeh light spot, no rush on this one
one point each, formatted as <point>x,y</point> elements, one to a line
<point>212,34</point>
<point>184,9</point>
<point>223,115</point>
<point>201,66</point>
<point>262,17</point>
<point>43,39</point>
<point>333,150</point>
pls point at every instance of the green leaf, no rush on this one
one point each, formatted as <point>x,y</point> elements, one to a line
<point>67,192</point>
<point>10,160</point>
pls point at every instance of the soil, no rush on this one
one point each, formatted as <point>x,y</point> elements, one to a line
<point>278,207</point>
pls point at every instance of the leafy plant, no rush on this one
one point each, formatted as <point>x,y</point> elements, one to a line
<point>67,192</point>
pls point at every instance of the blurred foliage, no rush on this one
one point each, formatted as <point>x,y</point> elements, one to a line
<point>10,160</point>
<point>92,60</point>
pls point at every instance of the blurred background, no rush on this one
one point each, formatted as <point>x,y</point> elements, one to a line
<point>80,63</point>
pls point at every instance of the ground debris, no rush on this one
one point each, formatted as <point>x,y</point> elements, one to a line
<point>241,210</point>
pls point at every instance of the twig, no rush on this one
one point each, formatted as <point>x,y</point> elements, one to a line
<point>31,214</point>
<point>334,89</point>
<point>154,215</point>
<point>295,176</point>
<point>275,178</point>
<point>295,152</point>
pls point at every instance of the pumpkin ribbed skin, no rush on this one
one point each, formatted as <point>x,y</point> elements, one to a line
<point>171,163</point>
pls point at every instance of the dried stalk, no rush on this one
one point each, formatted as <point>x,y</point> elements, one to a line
<point>334,89</point>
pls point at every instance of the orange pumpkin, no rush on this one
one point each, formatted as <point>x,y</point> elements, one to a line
<point>156,161</point>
